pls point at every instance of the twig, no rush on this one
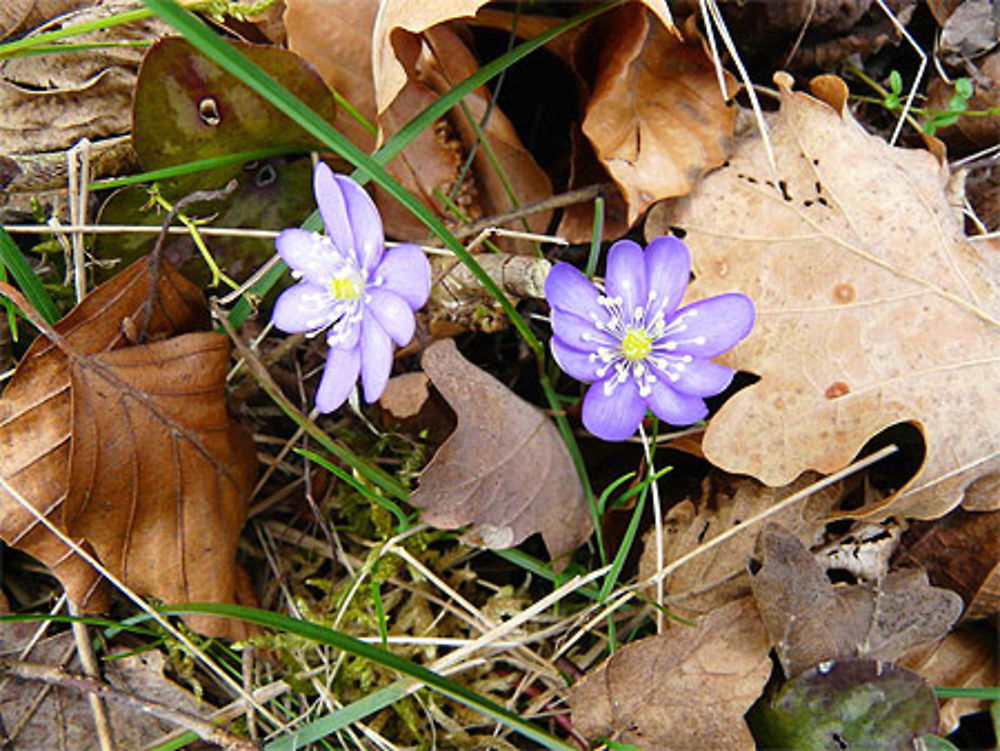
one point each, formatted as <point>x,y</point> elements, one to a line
<point>81,684</point>
<point>569,198</point>
<point>89,662</point>
<point>154,261</point>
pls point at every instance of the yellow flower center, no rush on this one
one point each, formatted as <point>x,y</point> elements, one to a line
<point>636,345</point>
<point>345,287</point>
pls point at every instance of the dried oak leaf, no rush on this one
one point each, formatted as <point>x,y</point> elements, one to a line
<point>505,470</point>
<point>685,689</point>
<point>719,575</point>
<point>656,117</point>
<point>809,620</point>
<point>873,308</point>
<point>129,449</point>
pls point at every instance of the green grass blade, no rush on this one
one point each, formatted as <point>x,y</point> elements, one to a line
<point>198,165</point>
<point>349,644</point>
<point>404,521</point>
<point>11,257</point>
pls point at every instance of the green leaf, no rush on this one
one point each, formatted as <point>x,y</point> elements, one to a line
<point>963,87</point>
<point>850,704</point>
<point>895,82</point>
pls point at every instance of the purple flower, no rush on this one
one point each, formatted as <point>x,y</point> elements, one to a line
<point>633,343</point>
<point>351,285</point>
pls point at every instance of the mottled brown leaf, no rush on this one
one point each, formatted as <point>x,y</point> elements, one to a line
<point>685,689</point>
<point>128,448</point>
<point>656,118</point>
<point>960,551</point>
<point>719,575</point>
<point>809,620</point>
<point>873,307</point>
<point>505,471</point>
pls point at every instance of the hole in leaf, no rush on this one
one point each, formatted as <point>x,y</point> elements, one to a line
<point>208,111</point>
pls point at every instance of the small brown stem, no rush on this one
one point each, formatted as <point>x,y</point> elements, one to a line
<point>569,198</point>
<point>81,684</point>
<point>154,261</point>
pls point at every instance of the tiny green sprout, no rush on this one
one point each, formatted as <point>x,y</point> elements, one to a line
<point>957,104</point>
<point>895,82</point>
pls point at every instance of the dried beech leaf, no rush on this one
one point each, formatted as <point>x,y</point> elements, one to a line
<point>505,470</point>
<point>872,306</point>
<point>685,689</point>
<point>719,575</point>
<point>12,13</point>
<point>340,52</point>
<point>76,425</point>
<point>809,620</point>
<point>656,117</point>
<point>410,15</point>
<point>960,551</point>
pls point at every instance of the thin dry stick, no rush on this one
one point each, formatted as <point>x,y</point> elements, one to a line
<point>119,229</point>
<point>82,684</point>
<point>569,198</point>
<point>658,524</point>
<point>90,668</point>
<point>627,593</point>
<point>78,171</point>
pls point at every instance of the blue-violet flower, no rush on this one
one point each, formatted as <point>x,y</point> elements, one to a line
<point>352,287</point>
<point>634,345</point>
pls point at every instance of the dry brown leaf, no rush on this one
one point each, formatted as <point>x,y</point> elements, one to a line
<point>809,620</point>
<point>414,16</point>
<point>449,63</point>
<point>719,575</point>
<point>968,657</point>
<point>12,14</point>
<point>40,717</point>
<point>505,470</point>
<point>656,117</point>
<point>76,424</point>
<point>686,689</point>
<point>960,551</point>
<point>48,102</point>
<point>872,306</point>
<point>340,52</point>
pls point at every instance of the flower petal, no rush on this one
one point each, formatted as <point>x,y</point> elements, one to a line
<point>349,216</point>
<point>576,363</point>
<point>405,271</point>
<point>303,308</point>
<point>376,360</point>
<point>696,378</point>
<point>579,333</point>
<point>710,327</point>
<point>308,254</point>
<point>625,276</point>
<point>339,377</point>
<point>673,407</point>
<point>568,289</point>
<point>613,416</point>
<point>392,313</point>
<point>668,270</point>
